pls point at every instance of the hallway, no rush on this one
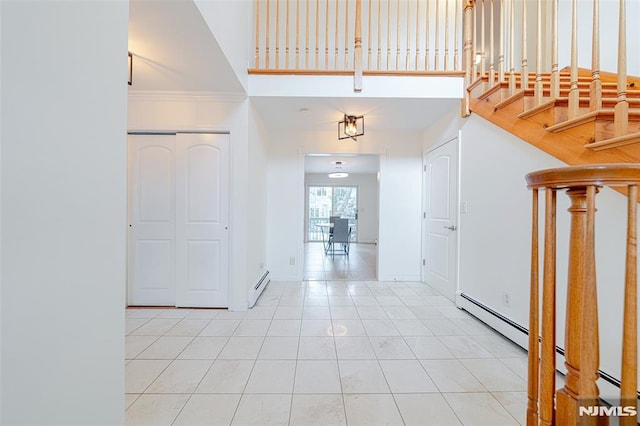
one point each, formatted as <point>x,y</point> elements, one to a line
<point>360,265</point>
<point>323,352</point>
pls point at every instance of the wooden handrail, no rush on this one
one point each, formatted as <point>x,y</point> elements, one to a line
<point>581,338</point>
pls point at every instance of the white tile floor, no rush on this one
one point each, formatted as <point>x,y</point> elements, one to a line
<point>323,353</point>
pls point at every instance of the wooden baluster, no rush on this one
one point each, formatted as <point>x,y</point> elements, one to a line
<point>286,36</point>
<point>446,36</point>
<point>397,35</point>
<point>524,72</point>
<point>512,67</point>
<point>482,45</point>
<point>357,61</point>
<point>574,95</point>
<point>388,33</point>
<point>581,336</point>
<point>501,47</point>
<point>417,34</point>
<point>621,115</point>
<point>335,41</point>
<point>436,58</point>
<point>379,36</point>
<point>326,35</point>
<point>555,72</point>
<point>306,37</point>
<point>277,34</point>
<point>297,34</point>
<point>537,88</point>
<point>474,33</point>
<point>590,342</point>
<point>256,58</point>
<point>426,37</point>
<point>492,69</point>
<point>630,318</point>
<point>406,60</point>
<point>346,34</point>
<point>595,90</point>
<point>456,39</point>
<point>266,39</point>
<point>467,51</point>
<point>369,39</point>
<point>534,312</point>
<point>548,350</point>
<point>317,42</point>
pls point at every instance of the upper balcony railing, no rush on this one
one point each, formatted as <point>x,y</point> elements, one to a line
<point>358,36</point>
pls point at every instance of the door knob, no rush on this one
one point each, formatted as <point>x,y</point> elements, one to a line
<point>451,228</point>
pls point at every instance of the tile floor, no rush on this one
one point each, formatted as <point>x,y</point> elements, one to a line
<point>323,353</point>
<point>360,265</point>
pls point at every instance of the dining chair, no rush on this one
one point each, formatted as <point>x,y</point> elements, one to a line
<point>341,235</point>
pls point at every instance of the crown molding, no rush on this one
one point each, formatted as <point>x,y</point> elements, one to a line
<point>184,96</point>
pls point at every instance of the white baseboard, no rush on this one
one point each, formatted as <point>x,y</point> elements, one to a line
<point>256,290</point>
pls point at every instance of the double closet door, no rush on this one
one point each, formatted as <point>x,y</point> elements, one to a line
<point>178,220</point>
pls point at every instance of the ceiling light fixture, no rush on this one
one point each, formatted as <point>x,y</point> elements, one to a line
<point>351,127</point>
<point>338,174</point>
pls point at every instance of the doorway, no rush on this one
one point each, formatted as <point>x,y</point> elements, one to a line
<point>353,197</point>
<point>325,202</point>
<point>440,219</point>
<point>178,220</point>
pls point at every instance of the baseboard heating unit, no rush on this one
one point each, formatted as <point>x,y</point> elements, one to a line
<point>258,288</point>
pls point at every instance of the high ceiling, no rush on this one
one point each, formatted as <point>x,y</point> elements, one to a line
<point>174,50</point>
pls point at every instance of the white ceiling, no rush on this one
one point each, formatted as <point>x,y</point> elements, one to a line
<point>174,50</point>
<point>380,114</point>
<point>356,163</point>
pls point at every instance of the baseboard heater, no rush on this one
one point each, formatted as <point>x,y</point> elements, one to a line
<point>257,289</point>
<point>604,376</point>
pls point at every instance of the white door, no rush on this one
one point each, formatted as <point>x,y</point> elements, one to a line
<point>151,271</point>
<point>179,212</point>
<point>202,220</point>
<point>440,240</point>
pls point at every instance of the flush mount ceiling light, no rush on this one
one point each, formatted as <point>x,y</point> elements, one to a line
<point>338,173</point>
<point>351,127</point>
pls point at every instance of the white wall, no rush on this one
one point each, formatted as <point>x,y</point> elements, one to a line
<point>257,231</point>
<point>367,184</point>
<point>609,10</point>
<point>63,221</point>
<point>495,233</point>
<point>230,22</point>
<point>400,200</point>
<point>208,113</point>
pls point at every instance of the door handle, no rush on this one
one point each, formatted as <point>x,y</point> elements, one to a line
<point>450,228</point>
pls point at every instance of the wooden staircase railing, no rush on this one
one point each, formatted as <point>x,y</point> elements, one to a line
<point>606,110</point>
<point>577,403</point>
<point>400,37</point>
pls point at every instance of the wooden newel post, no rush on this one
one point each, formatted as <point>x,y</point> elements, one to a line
<point>577,403</point>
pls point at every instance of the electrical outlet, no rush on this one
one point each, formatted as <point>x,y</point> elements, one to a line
<point>506,299</point>
<point>292,261</point>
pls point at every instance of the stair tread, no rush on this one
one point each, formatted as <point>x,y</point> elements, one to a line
<point>629,139</point>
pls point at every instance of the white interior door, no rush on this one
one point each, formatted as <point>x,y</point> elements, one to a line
<point>179,216</point>
<point>202,220</point>
<point>440,220</point>
<point>151,271</point>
